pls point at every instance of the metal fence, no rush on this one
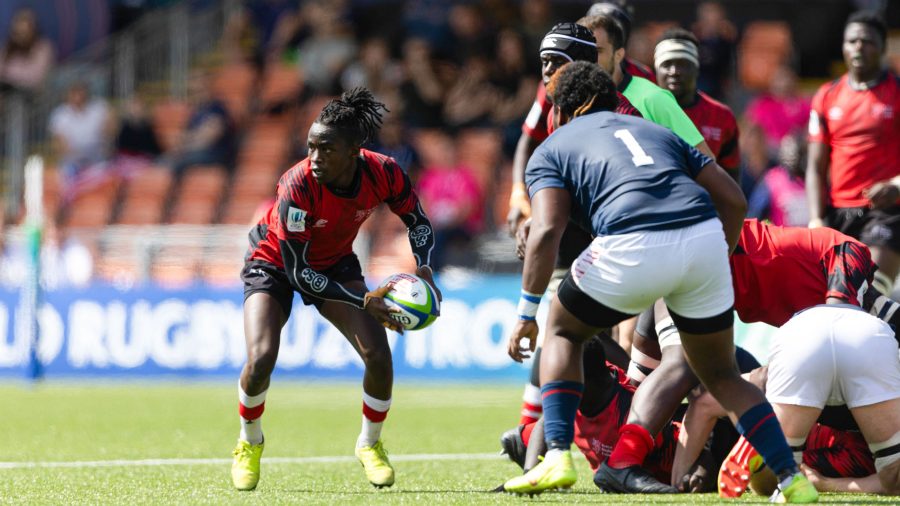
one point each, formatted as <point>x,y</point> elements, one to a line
<point>153,56</point>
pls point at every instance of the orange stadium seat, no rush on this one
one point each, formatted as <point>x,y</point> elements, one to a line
<point>145,197</point>
<point>169,119</point>
<point>281,82</point>
<point>199,194</point>
<point>93,208</point>
<point>233,85</point>
<point>765,46</point>
<point>176,267</point>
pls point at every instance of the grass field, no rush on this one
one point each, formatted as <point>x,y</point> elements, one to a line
<point>77,444</point>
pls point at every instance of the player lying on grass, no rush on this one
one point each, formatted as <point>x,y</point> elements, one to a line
<point>602,411</point>
<point>665,218</point>
<point>825,356</point>
<point>305,244</point>
<point>776,272</point>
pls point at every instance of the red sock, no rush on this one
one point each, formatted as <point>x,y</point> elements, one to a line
<point>526,433</point>
<point>530,413</point>
<point>633,446</point>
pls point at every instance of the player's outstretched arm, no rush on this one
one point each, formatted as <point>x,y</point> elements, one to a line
<point>698,423</point>
<point>728,199</point>
<point>421,240</point>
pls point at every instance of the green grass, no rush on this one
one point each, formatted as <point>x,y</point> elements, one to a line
<point>104,421</point>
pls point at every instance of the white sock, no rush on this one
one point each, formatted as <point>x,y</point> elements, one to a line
<point>373,409</point>
<point>251,429</point>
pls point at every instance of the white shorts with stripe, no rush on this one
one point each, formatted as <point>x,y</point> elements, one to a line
<point>833,355</point>
<point>687,267</point>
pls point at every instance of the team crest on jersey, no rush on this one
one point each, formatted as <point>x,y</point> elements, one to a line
<point>296,220</point>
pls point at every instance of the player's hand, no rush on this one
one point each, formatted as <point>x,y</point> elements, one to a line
<point>373,303</point>
<point>522,238</point>
<point>427,274</point>
<point>816,223</point>
<point>882,195</point>
<point>514,219</point>
<point>697,479</point>
<point>525,329</point>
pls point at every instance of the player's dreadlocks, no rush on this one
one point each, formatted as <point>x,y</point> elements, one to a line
<point>355,112</point>
<point>581,87</point>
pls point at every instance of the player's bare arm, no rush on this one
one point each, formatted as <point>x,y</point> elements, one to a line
<point>728,199</point>
<point>550,213</point>
<point>519,205</point>
<point>816,176</point>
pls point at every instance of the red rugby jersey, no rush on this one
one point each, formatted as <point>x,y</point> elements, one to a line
<point>596,435</point>
<point>862,128</point>
<point>778,271</point>
<point>310,212</point>
<point>719,129</point>
<point>638,69</point>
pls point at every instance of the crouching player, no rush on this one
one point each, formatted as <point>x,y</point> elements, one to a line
<point>305,244</point>
<point>825,356</point>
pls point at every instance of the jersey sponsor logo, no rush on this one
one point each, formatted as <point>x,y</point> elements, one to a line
<point>296,220</point>
<point>320,224</point>
<point>835,113</point>
<point>316,281</point>
<point>420,235</point>
<point>711,133</point>
<point>362,214</point>
<point>883,111</point>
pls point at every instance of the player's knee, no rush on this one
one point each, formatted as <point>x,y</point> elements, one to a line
<point>889,476</point>
<point>377,359</point>
<point>261,363</point>
<point>887,463</point>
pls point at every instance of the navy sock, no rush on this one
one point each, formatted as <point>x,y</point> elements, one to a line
<point>760,427</point>
<point>561,400</point>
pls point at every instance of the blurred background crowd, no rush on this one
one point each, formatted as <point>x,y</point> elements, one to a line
<point>164,125</point>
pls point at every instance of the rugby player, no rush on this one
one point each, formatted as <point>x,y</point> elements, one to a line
<point>853,169</point>
<point>564,43</point>
<point>833,355</point>
<point>677,60</point>
<point>776,271</point>
<point>304,244</point>
<point>665,217</point>
<point>623,14</point>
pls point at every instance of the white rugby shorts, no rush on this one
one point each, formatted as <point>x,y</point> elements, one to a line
<point>833,355</point>
<point>687,267</point>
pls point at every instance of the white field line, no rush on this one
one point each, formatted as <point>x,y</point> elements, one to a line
<point>413,457</point>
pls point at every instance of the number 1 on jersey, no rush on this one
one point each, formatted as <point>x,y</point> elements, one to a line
<point>638,156</point>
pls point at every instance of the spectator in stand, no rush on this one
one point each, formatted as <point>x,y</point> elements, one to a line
<point>755,157</point>
<point>377,71</point>
<point>472,98</point>
<point>209,137</point>
<point>780,196</point>
<point>393,141</point>
<point>780,111</point>
<point>536,22</point>
<point>469,34</point>
<point>423,89</point>
<point>137,137</point>
<point>259,31</point>
<point>26,56</point>
<point>718,39</point>
<point>328,50</point>
<point>82,128</point>
<point>515,86</point>
<point>452,193</point>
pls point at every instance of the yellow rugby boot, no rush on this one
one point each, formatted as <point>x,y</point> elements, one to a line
<point>245,467</point>
<point>375,461</point>
<point>798,490</point>
<point>556,471</point>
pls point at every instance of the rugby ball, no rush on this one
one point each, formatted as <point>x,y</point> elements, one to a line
<point>415,299</point>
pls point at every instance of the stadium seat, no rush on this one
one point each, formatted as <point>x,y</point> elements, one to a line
<point>169,119</point>
<point>281,83</point>
<point>199,194</point>
<point>93,208</point>
<point>233,85</point>
<point>764,47</point>
<point>145,197</point>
